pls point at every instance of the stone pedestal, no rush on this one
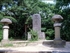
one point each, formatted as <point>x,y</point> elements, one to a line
<point>42,36</point>
<point>5,32</point>
<point>5,35</point>
<point>57,31</point>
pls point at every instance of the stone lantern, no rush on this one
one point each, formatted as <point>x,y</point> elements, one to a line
<point>5,21</point>
<point>58,42</point>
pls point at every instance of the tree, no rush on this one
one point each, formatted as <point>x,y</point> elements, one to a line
<point>21,11</point>
<point>47,24</point>
<point>63,7</point>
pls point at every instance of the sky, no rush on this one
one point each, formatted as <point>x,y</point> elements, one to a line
<point>48,1</point>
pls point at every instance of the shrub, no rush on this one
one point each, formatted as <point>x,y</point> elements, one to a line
<point>34,35</point>
<point>50,34</point>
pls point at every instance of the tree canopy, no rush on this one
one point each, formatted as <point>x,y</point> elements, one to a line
<point>21,11</point>
<point>63,8</point>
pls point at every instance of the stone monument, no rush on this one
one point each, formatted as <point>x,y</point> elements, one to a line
<point>5,21</point>
<point>58,42</point>
<point>36,21</point>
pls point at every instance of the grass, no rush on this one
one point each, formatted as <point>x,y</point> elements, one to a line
<point>8,45</point>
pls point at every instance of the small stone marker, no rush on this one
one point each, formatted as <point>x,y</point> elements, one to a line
<point>29,36</point>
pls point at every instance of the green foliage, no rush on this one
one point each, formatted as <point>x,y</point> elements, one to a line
<point>62,7</point>
<point>11,18</point>
<point>48,38</point>
<point>1,16</point>
<point>50,34</point>
<point>34,35</point>
<point>43,29</point>
<point>8,45</point>
<point>21,11</point>
<point>1,32</point>
<point>11,39</point>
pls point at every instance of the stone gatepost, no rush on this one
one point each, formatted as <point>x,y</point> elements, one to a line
<point>58,42</point>
<point>5,21</point>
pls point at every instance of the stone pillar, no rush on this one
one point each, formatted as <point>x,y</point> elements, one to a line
<point>37,24</point>
<point>5,32</point>
<point>57,30</point>
<point>58,42</point>
<point>5,21</point>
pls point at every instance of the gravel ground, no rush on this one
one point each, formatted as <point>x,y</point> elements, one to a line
<point>38,47</point>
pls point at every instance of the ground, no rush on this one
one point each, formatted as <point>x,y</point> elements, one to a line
<point>36,48</point>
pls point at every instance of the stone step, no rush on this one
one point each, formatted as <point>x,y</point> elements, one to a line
<point>29,43</point>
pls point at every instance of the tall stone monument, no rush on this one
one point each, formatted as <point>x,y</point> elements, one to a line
<point>36,22</point>
<point>37,26</point>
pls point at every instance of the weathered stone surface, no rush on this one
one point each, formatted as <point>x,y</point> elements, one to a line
<point>58,42</point>
<point>60,52</point>
<point>36,22</point>
<point>37,25</point>
<point>42,35</point>
<point>57,17</point>
<point>29,36</point>
<point>6,21</point>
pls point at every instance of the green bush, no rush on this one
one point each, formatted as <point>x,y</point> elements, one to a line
<point>50,34</point>
<point>48,38</point>
<point>1,32</point>
<point>34,35</point>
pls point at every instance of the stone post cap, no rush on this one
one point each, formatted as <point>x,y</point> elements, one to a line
<point>6,21</point>
<point>57,17</point>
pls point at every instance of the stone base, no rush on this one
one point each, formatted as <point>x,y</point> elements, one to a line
<point>29,36</point>
<point>59,43</point>
<point>55,43</point>
<point>3,42</point>
<point>42,36</point>
<point>47,42</point>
